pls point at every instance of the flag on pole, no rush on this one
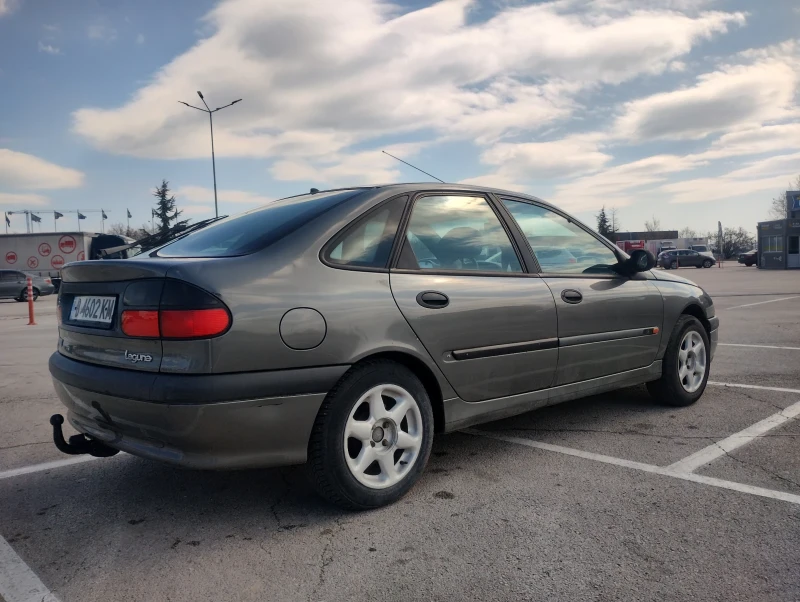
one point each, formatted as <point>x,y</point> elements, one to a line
<point>81,215</point>
<point>35,217</point>
<point>129,213</point>
<point>103,213</point>
<point>56,214</point>
<point>8,221</point>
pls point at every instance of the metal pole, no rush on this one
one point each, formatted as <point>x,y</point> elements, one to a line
<point>213,165</point>
<point>55,222</point>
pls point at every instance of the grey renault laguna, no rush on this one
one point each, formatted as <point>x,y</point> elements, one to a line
<point>344,328</point>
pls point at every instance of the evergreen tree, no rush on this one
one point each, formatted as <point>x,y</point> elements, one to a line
<point>603,227</point>
<point>166,211</point>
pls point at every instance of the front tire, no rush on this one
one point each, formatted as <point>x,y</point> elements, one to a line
<point>686,365</point>
<point>707,263</point>
<point>673,265</point>
<point>372,436</point>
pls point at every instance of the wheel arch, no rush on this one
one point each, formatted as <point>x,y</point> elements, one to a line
<point>694,310</point>
<point>422,371</point>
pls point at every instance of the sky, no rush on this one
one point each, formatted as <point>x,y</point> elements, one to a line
<point>683,110</point>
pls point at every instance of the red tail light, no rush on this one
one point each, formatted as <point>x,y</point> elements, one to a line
<point>172,309</point>
<point>193,323</point>
<point>48,281</point>
<point>140,323</point>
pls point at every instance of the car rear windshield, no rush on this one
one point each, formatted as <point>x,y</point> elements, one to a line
<point>256,229</point>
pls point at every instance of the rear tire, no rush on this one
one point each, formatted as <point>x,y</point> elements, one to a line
<point>23,296</point>
<point>686,365</point>
<point>673,265</point>
<point>707,263</point>
<point>361,454</point>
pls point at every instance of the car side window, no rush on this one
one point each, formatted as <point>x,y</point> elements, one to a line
<point>560,246</point>
<point>457,233</point>
<point>368,241</point>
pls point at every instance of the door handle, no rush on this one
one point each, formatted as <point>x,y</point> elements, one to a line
<point>433,300</point>
<point>571,296</point>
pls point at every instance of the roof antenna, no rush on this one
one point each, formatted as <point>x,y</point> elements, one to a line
<point>417,168</point>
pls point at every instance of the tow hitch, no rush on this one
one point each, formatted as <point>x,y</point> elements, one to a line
<point>78,444</point>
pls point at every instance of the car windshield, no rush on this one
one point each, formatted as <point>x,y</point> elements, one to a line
<point>254,230</point>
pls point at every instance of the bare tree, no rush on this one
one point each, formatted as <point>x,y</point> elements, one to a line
<point>777,209</point>
<point>734,241</point>
<point>123,230</point>
<point>688,232</point>
<point>613,219</point>
<point>653,225</point>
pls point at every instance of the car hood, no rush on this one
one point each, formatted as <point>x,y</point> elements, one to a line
<point>669,277</point>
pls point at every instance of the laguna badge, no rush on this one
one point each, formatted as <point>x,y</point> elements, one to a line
<point>138,357</point>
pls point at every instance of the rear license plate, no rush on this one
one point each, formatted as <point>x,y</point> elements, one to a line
<point>98,310</point>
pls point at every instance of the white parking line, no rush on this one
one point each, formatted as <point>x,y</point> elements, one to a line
<point>760,303</point>
<point>15,472</point>
<point>743,437</point>
<point>659,470</point>
<point>740,386</point>
<point>758,346</point>
<point>18,583</point>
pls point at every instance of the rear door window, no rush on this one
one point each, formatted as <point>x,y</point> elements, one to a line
<point>255,230</point>
<point>457,233</point>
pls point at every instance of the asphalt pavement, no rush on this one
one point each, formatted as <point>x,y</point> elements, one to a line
<point>573,502</point>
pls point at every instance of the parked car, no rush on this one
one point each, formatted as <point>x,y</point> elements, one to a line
<point>684,258</point>
<point>14,285</point>
<point>345,328</point>
<point>749,258</point>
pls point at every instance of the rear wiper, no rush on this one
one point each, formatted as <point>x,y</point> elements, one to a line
<point>160,238</point>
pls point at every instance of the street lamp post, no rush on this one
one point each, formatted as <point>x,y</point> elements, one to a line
<point>211,123</point>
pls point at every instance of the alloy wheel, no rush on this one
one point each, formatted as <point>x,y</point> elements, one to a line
<point>383,436</point>
<point>692,361</point>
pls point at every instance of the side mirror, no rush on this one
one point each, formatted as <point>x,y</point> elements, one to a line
<point>640,260</point>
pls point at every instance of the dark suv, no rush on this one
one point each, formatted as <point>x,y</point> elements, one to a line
<point>684,258</point>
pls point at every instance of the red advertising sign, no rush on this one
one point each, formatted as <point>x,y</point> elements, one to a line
<point>44,249</point>
<point>67,244</point>
<point>636,244</point>
<point>81,256</point>
<point>57,262</point>
<point>33,262</point>
<point>11,257</point>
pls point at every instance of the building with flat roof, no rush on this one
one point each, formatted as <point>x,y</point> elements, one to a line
<point>779,240</point>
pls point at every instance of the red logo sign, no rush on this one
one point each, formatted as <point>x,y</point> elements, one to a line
<point>11,257</point>
<point>57,262</point>
<point>44,249</point>
<point>33,262</point>
<point>67,244</point>
<point>81,256</point>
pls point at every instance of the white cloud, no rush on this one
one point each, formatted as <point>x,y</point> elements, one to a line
<point>201,194</point>
<point>140,38</point>
<point>101,31</point>
<point>765,175</point>
<point>49,49</point>
<point>50,27</point>
<point>732,96</point>
<point>317,77</point>
<point>7,7</point>
<point>532,160</point>
<point>22,200</point>
<point>20,170</point>
<point>366,167</point>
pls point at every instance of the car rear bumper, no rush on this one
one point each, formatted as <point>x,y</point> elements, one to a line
<point>238,432</point>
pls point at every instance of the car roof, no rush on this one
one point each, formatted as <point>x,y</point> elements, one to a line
<point>411,187</point>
